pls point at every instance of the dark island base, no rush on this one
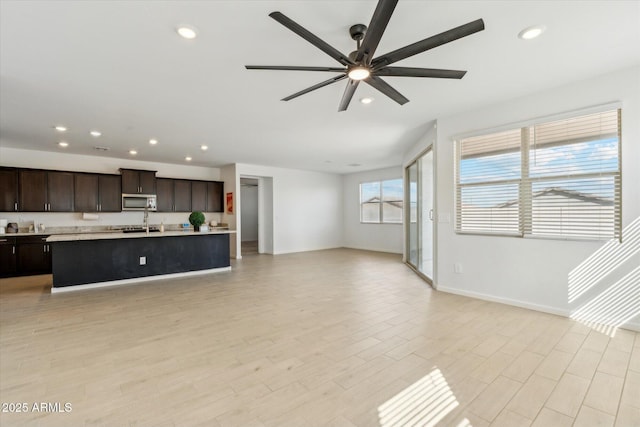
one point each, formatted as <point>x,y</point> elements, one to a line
<point>83,262</point>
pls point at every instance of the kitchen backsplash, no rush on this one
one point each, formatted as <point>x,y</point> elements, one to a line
<point>105,219</point>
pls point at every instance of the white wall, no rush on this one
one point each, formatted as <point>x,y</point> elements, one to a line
<point>373,237</point>
<point>79,163</point>
<point>231,179</point>
<point>535,272</point>
<point>307,208</point>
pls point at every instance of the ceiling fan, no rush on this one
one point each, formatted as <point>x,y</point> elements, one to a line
<point>361,65</point>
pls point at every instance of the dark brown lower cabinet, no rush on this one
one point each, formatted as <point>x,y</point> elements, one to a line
<point>7,256</point>
<point>33,255</point>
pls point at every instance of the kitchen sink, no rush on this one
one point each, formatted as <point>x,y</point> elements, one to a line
<point>140,230</point>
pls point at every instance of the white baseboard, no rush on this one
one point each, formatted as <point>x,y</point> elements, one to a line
<point>633,326</point>
<point>136,280</point>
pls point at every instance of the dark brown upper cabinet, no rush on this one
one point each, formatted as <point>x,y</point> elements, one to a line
<point>138,181</point>
<point>110,193</point>
<point>215,191</point>
<point>8,190</point>
<point>97,193</point>
<point>174,195</point>
<point>164,191</point>
<point>182,195</point>
<point>199,196</point>
<point>45,191</point>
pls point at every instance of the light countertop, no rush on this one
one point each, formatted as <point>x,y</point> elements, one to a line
<point>121,235</point>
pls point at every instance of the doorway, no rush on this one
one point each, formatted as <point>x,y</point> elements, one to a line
<point>419,218</point>
<point>249,216</point>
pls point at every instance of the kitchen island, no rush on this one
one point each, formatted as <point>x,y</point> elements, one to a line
<point>82,261</point>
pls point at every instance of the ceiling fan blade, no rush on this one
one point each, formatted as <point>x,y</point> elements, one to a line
<point>385,88</point>
<point>314,87</point>
<point>376,28</point>
<point>311,38</point>
<point>429,43</point>
<point>294,68</point>
<point>420,72</point>
<point>352,85</point>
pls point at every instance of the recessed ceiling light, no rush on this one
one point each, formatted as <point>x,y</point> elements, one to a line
<point>188,159</point>
<point>366,100</point>
<point>204,147</point>
<point>61,128</point>
<point>531,32</point>
<point>63,144</point>
<point>187,32</point>
<point>133,152</point>
<point>359,73</point>
<point>355,165</point>
<point>95,133</point>
<point>153,141</point>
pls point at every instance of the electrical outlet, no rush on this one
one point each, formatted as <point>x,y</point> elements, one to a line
<point>457,268</point>
<point>143,260</point>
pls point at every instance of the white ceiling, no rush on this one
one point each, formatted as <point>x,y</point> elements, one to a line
<point>120,67</point>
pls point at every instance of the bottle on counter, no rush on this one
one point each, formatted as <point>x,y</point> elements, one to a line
<point>162,227</point>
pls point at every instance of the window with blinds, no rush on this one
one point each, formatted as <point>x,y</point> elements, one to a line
<point>558,179</point>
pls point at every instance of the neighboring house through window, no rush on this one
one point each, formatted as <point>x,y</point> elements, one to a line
<point>381,201</point>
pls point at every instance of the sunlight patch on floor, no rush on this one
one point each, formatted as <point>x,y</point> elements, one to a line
<point>424,403</point>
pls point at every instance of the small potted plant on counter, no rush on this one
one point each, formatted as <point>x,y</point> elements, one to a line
<point>196,219</point>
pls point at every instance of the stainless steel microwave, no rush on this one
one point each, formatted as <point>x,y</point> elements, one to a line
<point>139,202</point>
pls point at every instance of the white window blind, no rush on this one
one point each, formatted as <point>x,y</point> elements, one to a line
<point>488,183</point>
<point>558,179</point>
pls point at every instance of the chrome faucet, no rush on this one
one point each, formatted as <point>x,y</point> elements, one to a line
<point>145,221</point>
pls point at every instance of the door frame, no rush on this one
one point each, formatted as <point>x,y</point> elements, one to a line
<point>407,216</point>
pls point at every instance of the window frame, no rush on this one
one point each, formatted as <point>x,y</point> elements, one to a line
<point>525,182</point>
<point>380,203</point>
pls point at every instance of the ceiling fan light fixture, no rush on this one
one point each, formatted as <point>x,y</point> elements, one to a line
<point>359,73</point>
<point>531,32</point>
<point>187,32</point>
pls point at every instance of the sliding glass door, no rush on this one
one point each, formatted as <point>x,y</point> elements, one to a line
<point>419,216</point>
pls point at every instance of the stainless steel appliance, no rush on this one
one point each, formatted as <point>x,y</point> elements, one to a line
<point>139,202</point>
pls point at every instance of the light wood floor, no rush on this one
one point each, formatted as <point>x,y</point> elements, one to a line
<point>336,338</point>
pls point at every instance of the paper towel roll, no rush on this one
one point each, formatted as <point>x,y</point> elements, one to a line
<point>90,216</point>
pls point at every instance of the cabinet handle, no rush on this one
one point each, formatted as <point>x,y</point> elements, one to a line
<point>13,252</point>
<point>49,207</point>
<point>3,240</point>
<point>15,206</point>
